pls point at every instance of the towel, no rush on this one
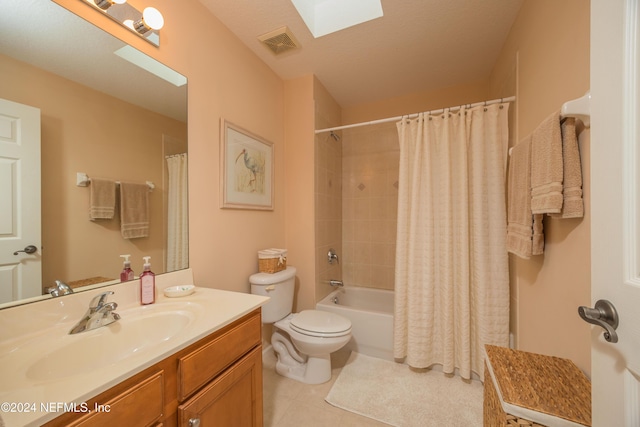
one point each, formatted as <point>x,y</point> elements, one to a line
<point>524,230</point>
<point>103,199</point>
<point>547,166</point>
<point>134,210</point>
<point>573,205</point>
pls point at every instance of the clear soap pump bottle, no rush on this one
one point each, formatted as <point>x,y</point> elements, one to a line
<point>147,283</point>
<point>127,273</point>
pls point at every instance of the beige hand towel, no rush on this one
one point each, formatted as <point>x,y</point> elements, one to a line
<point>547,166</point>
<point>573,205</point>
<point>524,230</point>
<point>102,199</point>
<point>134,210</point>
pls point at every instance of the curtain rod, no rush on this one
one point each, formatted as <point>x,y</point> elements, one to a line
<point>411,116</point>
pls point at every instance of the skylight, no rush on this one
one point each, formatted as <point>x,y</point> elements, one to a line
<point>328,16</point>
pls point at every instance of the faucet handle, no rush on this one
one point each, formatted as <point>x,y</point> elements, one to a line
<point>99,300</point>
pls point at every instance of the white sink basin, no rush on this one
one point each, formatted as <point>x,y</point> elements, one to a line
<point>138,329</point>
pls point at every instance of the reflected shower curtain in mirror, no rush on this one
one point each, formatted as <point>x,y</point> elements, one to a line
<point>452,280</point>
<point>177,216</point>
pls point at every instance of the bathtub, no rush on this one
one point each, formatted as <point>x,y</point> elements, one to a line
<point>371,314</point>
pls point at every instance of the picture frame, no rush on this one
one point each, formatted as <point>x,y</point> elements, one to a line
<point>246,169</point>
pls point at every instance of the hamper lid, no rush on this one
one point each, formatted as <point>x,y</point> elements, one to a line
<point>545,389</point>
<point>325,322</point>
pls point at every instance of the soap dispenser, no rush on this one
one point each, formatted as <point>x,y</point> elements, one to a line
<point>127,273</point>
<point>147,283</point>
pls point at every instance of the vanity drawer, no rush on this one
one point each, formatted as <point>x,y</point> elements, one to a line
<point>138,405</point>
<point>200,366</point>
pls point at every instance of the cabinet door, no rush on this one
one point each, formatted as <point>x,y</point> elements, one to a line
<point>232,399</point>
<point>139,405</point>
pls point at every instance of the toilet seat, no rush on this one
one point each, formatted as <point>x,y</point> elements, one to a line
<point>318,323</point>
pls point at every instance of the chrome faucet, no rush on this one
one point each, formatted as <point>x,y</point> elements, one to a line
<point>336,283</point>
<point>100,313</point>
<point>60,289</point>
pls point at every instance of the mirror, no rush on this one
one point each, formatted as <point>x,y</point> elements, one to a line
<point>100,115</point>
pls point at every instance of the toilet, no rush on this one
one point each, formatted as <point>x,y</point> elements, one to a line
<point>302,341</point>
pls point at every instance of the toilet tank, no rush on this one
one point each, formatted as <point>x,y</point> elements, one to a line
<point>279,287</point>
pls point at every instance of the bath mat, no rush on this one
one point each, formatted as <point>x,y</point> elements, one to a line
<point>394,394</point>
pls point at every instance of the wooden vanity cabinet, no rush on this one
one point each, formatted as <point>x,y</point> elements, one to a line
<point>216,381</point>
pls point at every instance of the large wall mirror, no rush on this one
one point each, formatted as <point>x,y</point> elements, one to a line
<point>98,114</point>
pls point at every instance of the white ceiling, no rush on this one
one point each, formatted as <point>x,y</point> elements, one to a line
<point>418,45</point>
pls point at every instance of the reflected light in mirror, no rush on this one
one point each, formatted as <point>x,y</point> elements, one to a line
<point>106,4</point>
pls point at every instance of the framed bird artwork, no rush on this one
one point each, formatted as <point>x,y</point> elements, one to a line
<point>246,169</point>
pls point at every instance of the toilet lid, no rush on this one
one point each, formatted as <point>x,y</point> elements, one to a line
<point>320,323</point>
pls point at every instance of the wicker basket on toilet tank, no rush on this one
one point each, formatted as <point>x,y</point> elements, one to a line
<point>272,260</point>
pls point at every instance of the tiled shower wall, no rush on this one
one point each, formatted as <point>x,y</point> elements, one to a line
<point>370,163</point>
<point>328,210</point>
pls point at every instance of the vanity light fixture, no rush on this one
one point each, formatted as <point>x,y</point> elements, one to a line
<point>145,24</point>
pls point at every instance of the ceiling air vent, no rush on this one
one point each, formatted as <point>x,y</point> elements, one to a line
<point>279,41</point>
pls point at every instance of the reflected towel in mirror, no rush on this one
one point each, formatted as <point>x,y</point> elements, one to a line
<point>103,199</point>
<point>134,210</point>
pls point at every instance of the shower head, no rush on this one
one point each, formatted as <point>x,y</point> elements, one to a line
<point>334,136</point>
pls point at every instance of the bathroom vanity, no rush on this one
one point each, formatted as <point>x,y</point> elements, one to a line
<point>193,360</point>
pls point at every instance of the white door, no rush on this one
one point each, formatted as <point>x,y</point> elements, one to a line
<point>20,274</point>
<point>615,208</point>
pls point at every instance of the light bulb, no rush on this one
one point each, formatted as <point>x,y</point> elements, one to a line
<point>153,18</point>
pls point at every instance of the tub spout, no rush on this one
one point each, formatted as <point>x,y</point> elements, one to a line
<point>336,283</point>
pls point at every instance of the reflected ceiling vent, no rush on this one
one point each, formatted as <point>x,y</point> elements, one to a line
<point>279,41</point>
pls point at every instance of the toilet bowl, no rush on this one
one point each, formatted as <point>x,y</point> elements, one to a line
<point>303,341</point>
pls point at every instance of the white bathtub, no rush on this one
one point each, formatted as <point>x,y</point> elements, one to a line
<point>371,314</point>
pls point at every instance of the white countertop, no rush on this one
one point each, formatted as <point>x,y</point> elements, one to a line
<point>28,401</point>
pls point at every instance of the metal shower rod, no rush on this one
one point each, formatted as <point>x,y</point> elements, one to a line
<point>411,116</point>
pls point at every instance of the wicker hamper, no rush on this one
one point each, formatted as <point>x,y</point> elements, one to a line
<point>532,390</point>
<point>272,260</point>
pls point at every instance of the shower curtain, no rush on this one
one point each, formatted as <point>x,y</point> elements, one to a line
<point>452,281</point>
<point>177,216</point>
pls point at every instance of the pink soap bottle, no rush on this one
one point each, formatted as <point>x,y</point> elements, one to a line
<point>147,283</point>
<point>127,273</point>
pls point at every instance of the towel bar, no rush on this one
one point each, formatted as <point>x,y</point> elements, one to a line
<point>83,180</point>
<point>579,108</point>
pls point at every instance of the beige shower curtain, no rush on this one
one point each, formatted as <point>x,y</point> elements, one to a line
<point>177,215</point>
<point>452,281</point>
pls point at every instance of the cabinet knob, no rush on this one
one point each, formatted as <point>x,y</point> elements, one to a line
<point>194,422</point>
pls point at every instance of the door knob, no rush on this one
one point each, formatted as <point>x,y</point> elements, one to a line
<point>605,315</point>
<point>29,250</point>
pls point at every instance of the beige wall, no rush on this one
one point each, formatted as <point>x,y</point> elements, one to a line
<point>300,236</point>
<point>548,51</point>
<point>226,80</point>
<point>78,137</point>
